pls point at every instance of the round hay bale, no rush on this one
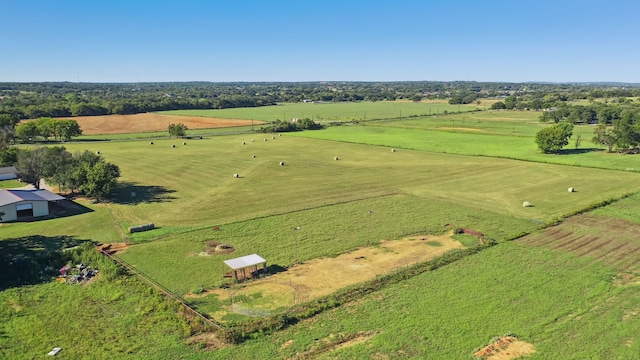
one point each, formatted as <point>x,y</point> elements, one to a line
<point>265,139</point>
<point>236,175</point>
<point>571,189</point>
<point>200,137</point>
<point>151,143</point>
<point>184,143</point>
<point>253,156</point>
<point>526,204</point>
<point>273,137</point>
<point>281,163</point>
<point>173,146</point>
<point>279,134</point>
<point>98,152</point>
<point>393,150</point>
<point>244,143</point>
<point>253,140</point>
<point>336,158</point>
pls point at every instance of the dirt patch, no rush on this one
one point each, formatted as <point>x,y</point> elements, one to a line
<point>219,248</point>
<point>626,279</point>
<point>206,341</point>
<point>115,248</point>
<point>505,348</point>
<point>149,122</point>
<point>335,342</point>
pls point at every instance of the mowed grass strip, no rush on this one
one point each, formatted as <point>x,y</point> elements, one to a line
<point>194,184</point>
<point>478,143</point>
<point>558,302</point>
<point>328,111</point>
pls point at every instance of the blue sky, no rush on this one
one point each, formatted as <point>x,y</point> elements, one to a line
<point>242,40</point>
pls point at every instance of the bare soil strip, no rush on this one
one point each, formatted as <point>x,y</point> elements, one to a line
<point>506,348</point>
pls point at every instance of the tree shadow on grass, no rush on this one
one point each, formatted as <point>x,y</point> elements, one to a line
<point>32,259</point>
<point>132,193</point>
<point>578,151</point>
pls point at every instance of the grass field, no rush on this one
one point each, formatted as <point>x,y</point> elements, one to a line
<point>556,289</point>
<point>327,112</point>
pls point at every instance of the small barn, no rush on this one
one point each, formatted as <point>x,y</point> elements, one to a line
<point>8,173</point>
<point>240,265</point>
<point>25,204</point>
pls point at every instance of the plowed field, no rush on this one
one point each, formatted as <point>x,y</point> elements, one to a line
<point>149,122</point>
<point>615,242</point>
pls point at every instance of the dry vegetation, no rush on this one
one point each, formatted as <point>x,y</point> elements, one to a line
<point>149,122</point>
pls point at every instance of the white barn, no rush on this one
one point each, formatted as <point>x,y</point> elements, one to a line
<point>17,204</point>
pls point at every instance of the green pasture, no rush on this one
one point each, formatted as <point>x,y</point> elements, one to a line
<point>477,143</point>
<point>328,111</point>
<point>193,185</point>
<point>566,306</point>
<point>325,231</point>
<point>86,222</point>
<point>511,123</point>
<point>10,184</point>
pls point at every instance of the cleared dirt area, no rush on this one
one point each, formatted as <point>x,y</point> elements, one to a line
<point>324,276</point>
<point>149,122</point>
<point>506,348</point>
<point>615,242</point>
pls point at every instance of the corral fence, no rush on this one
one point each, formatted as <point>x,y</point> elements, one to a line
<point>163,290</point>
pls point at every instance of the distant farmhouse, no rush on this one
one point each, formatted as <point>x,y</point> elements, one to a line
<point>25,204</point>
<point>8,173</point>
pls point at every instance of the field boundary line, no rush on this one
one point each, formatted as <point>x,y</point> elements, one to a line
<point>162,289</point>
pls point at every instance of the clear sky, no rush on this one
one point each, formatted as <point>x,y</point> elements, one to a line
<point>273,40</point>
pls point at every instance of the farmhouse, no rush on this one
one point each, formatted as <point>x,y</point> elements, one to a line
<point>24,204</point>
<point>8,173</point>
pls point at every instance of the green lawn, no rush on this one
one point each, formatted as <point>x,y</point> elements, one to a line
<point>327,112</point>
<point>9,184</point>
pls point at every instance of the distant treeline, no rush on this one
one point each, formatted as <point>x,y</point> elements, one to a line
<point>64,99</point>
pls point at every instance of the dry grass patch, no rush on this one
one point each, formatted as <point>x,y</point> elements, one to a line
<point>505,348</point>
<point>150,122</point>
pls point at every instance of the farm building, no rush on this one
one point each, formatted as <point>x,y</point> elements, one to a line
<point>241,264</point>
<point>24,204</point>
<point>8,173</point>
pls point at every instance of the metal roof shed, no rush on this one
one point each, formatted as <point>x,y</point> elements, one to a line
<point>242,263</point>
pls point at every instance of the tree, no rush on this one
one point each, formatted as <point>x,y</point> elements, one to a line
<point>177,130</point>
<point>101,178</point>
<point>510,102</point>
<point>604,135</point>
<point>45,127</point>
<point>26,131</point>
<point>31,165</point>
<point>498,106</point>
<point>416,98</point>
<point>554,138</point>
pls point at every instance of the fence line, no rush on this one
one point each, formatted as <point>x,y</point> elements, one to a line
<point>162,289</point>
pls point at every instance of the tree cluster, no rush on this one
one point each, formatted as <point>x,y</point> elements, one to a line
<point>286,126</point>
<point>177,130</point>
<point>45,127</point>
<point>83,172</point>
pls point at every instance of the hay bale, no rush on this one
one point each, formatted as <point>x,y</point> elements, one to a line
<point>184,143</point>
<point>527,204</point>
<point>151,143</point>
<point>244,143</point>
<point>279,134</point>
<point>236,175</point>
<point>281,163</point>
<point>273,137</point>
<point>265,139</point>
<point>571,189</point>
<point>393,150</point>
<point>98,152</point>
<point>336,158</point>
<point>253,156</point>
<point>253,140</point>
<point>140,228</point>
<point>173,146</point>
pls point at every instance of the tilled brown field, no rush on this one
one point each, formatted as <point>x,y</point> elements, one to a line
<point>149,122</point>
<point>615,242</point>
